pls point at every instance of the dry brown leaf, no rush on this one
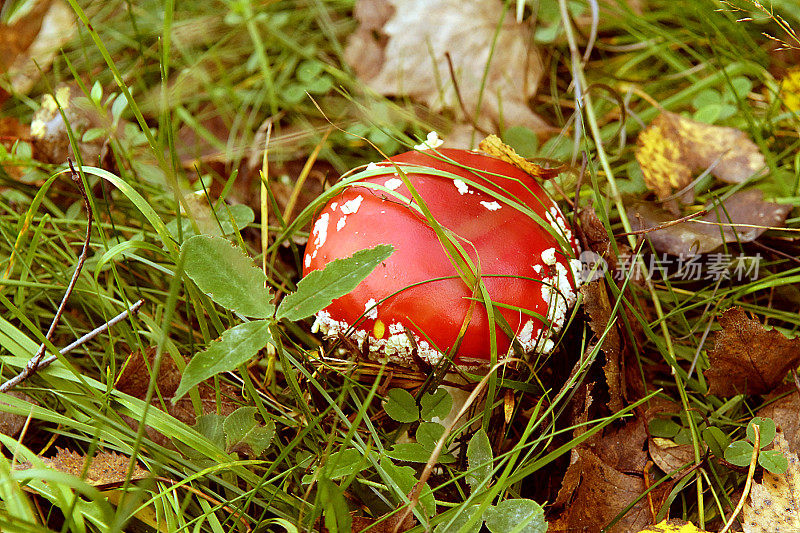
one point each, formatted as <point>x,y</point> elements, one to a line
<point>672,148</point>
<point>669,456</point>
<point>598,307</point>
<point>785,412</point>
<point>11,424</point>
<point>29,43</point>
<point>602,494</point>
<point>390,524</point>
<point>774,505</point>
<point>135,379</point>
<point>742,217</point>
<point>747,358</point>
<point>406,56</point>
<point>106,469</point>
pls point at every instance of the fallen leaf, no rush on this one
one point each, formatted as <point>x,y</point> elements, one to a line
<point>598,308</point>
<point>11,424</point>
<point>742,217</point>
<point>134,379</point>
<point>774,505</point>
<point>602,494</point>
<point>106,469</point>
<point>405,56</point>
<point>673,526</point>
<point>387,524</point>
<point>747,358</point>
<point>785,412</point>
<point>492,145</point>
<point>31,39</point>
<point>672,148</point>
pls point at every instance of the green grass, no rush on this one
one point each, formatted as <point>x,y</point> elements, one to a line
<point>240,62</point>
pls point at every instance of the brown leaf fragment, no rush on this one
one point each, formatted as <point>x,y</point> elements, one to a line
<point>385,524</point>
<point>106,469</point>
<point>134,379</point>
<point>742,217</point>
<point>785,412</point>
<point>31,39</point>
<point>11,424</point>
<point>774,505</point>
<point>672,148</point>
<point>407,56</point>
<point>602,494</point>
<point>748,358</point>
<point>598,307</point>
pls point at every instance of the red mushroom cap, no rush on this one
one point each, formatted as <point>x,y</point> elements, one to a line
<point>521,261</point>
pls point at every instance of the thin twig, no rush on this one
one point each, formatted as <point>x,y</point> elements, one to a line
<point>44,363</point>
<point>36,360</point>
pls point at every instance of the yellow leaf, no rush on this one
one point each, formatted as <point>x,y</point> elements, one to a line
<point>492,145</point>
<point>673,526</point>
<point>775,502</point>
<point>673,148</point>
<point>790,89</point>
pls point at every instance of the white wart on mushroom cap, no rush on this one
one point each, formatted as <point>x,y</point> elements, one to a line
<point>415,301</point>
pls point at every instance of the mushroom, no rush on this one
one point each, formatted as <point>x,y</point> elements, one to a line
<point>414,304</point>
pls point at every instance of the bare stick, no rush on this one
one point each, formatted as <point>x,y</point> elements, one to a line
<point>36,360</point>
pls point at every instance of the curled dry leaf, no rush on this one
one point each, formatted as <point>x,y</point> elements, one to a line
<point>598,307</point>
<point>774,505</point>
<point>400,47</point>
<point>672,148</point>
<point>742,217</point>
<point>492,145</point>
<point>30,41</point>
<point>747,358</point>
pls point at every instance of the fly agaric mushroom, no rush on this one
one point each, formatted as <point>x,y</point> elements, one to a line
<point>414,303</point>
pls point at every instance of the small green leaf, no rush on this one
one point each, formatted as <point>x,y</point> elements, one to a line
<point>235,347</point>
<point>708,113</point>
<point>429,433</point>
<point>403,477</point>
<point>412,452</point>
<point>335,511</point>
<point>774,461</point>
<point>741,86</point>
<point>460,520</point>
<point>92,134</point>
<point>479,460</point>
<point>242,430</point>
<point>227,275</point>
<point>515,516</point>
<point>436,404</point>
<point>521,139</point>
<point>96,93</point>
<point>344,463</point>
<point>400,406</point>
<point>766,427</point>
<point>716,441</point>
<point>317,290</point>
<point>739,453</point>
<point>707,97</point>
<point>664,428</point>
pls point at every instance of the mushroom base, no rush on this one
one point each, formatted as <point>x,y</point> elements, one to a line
<point>399,348</point>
